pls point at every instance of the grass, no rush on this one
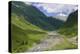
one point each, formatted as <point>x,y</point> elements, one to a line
<point>63,45</point>
<point>27,24</point>
<point>24,34</point>
<point>21,22</point>
<point>70,27</point>
<point>69,31</point>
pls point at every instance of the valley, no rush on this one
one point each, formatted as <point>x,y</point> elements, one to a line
<point>33,31</point>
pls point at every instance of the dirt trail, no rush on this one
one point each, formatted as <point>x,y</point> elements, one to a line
<point>52,39</point>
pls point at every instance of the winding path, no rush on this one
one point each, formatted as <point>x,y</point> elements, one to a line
<point>52,39</point>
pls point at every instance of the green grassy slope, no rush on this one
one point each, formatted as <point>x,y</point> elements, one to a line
<point>35,16</point>
<point>70,27</point>
<point>24,34</point>
<point>21,22</point>
<point>29,25</point>
<point>68,30</point>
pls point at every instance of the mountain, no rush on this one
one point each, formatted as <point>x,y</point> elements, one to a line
<point>29,25</point>
<point>72,19</point>
<point>23,33</point>
<point>55,9</point>
<point>36,17</point>
<point>70,27</point>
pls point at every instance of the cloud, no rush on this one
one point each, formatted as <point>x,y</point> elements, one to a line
<point>58,8</point>
<point>49,10</point>
<point>52,8</point>
<point>62,9</point>
<point>28,3</point>
<point>61,14</point>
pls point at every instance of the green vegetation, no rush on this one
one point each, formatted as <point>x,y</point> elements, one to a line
<point>29,26</point>
<point>63,45</point>
<point>24,34</point>
<point>69,31</point>
<point>70,27</point>
<point>35,16</point>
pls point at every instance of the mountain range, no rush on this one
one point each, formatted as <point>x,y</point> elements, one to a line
<point>55,9</point>
<point>29,25</point>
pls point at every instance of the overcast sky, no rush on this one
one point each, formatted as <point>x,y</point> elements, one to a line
<point>52,9</point>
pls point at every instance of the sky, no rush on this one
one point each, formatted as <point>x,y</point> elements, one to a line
<point>59,11</point>
<point>52,9</point>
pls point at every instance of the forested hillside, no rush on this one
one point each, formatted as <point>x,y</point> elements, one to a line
<point>70,27</point>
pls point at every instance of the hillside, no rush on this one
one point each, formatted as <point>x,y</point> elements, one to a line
<point>36,17</point>
<point>29,27</point>
<point>70,27</point>
<point>23,33</point>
